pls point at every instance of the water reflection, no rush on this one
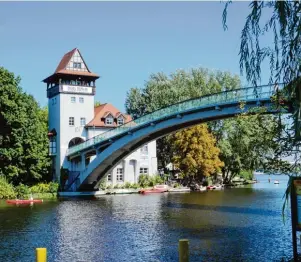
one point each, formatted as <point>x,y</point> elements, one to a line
<point>242,224</point>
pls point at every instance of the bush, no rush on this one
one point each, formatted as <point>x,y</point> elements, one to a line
<point>22,191</point>
<point>6,189</point>
<point>110,186</point>
<point>102,186</point>
<point>127,185</point>
<point>51,187</point>
<point>143,180</point>
<point>117,186</point>
<point>134,186</point>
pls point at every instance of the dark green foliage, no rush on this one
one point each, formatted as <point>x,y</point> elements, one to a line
<point>23,133</point>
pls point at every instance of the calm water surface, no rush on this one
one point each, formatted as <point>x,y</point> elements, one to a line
<point>241,224</point>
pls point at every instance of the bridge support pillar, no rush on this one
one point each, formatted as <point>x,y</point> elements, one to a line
<point>83,161</point>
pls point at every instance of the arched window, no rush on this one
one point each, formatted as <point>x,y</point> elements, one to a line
<point>75,141</point>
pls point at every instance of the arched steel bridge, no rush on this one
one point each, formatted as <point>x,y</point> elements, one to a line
<point>113,145</point>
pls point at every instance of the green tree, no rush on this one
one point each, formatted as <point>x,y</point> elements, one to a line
<point>23,133</point>
<point>97,103</point>
<point>162,90</point>
<point>247,143</point>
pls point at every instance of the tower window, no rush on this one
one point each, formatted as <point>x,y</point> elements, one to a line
<point>71,121</point>
<point>52,145</point>
<point>81,100</point>
<point>82,121</point>
<point>77,65</point>
<point>73,99</point>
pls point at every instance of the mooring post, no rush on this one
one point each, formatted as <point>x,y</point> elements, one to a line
<point>183,250</point>
<point>41,254</point>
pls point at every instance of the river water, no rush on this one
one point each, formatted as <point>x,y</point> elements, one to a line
<point>239,224</point>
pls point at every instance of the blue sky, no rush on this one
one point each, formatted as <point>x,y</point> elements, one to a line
<point>124,42</point>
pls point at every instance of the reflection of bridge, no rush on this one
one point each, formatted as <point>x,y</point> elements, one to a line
<point>112,146</point>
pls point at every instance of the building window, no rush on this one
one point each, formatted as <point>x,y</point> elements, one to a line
<point>109,121</point>
<point>144,149</point>
<point>120,120</point>
<point>119,178</point>
<point>71,121</point>
<point>119,174</point>
<point>77,65</point>
<point>81,100</point>
<point>73,99</point>
<point>143,170</point>
<point>109,177</point>
<point>82,121</point>
<point>52,145</point>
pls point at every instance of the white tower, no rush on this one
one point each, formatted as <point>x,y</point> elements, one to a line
<point>70,92</point>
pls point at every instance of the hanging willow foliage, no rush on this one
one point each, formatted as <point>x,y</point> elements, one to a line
<point>283,55</point>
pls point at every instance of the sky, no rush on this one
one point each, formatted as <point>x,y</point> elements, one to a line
<point>123,42</point>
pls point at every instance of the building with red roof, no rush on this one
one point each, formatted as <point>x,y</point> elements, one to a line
<point>73,119</point>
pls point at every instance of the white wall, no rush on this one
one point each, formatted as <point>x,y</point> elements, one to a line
<point>59,114</point>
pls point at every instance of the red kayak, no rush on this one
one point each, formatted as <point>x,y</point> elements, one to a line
<point>24,201</point>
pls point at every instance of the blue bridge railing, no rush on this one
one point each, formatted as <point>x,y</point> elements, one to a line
<point>236,95</point>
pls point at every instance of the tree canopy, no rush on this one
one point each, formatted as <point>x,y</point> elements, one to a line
<point>195,153</point>
<point>23,133</point>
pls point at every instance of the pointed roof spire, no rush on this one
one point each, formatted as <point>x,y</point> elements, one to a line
<point>72,63</point>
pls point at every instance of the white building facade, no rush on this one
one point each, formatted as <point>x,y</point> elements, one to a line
<point>73,118</point>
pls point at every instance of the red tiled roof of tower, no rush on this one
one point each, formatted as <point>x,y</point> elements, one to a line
<point>102,111</point>
<point>65,60</point>
<point>62,67</point>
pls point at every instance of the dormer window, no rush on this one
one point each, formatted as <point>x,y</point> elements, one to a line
<point>120,120</point>
<point>109,120</point>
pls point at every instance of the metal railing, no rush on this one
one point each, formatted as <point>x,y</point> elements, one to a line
<point>236,95</point>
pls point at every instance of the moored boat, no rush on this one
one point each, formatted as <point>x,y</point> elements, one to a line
<point>152,190</point>
<point>24,201</point>
<point>215,187</point>
<point>179,189</point>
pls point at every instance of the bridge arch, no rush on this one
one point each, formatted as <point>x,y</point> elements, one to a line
<point>115,145</point>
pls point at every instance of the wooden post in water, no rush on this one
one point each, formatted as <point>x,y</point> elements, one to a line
<point>183,250</point>
<point>41,254</point>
